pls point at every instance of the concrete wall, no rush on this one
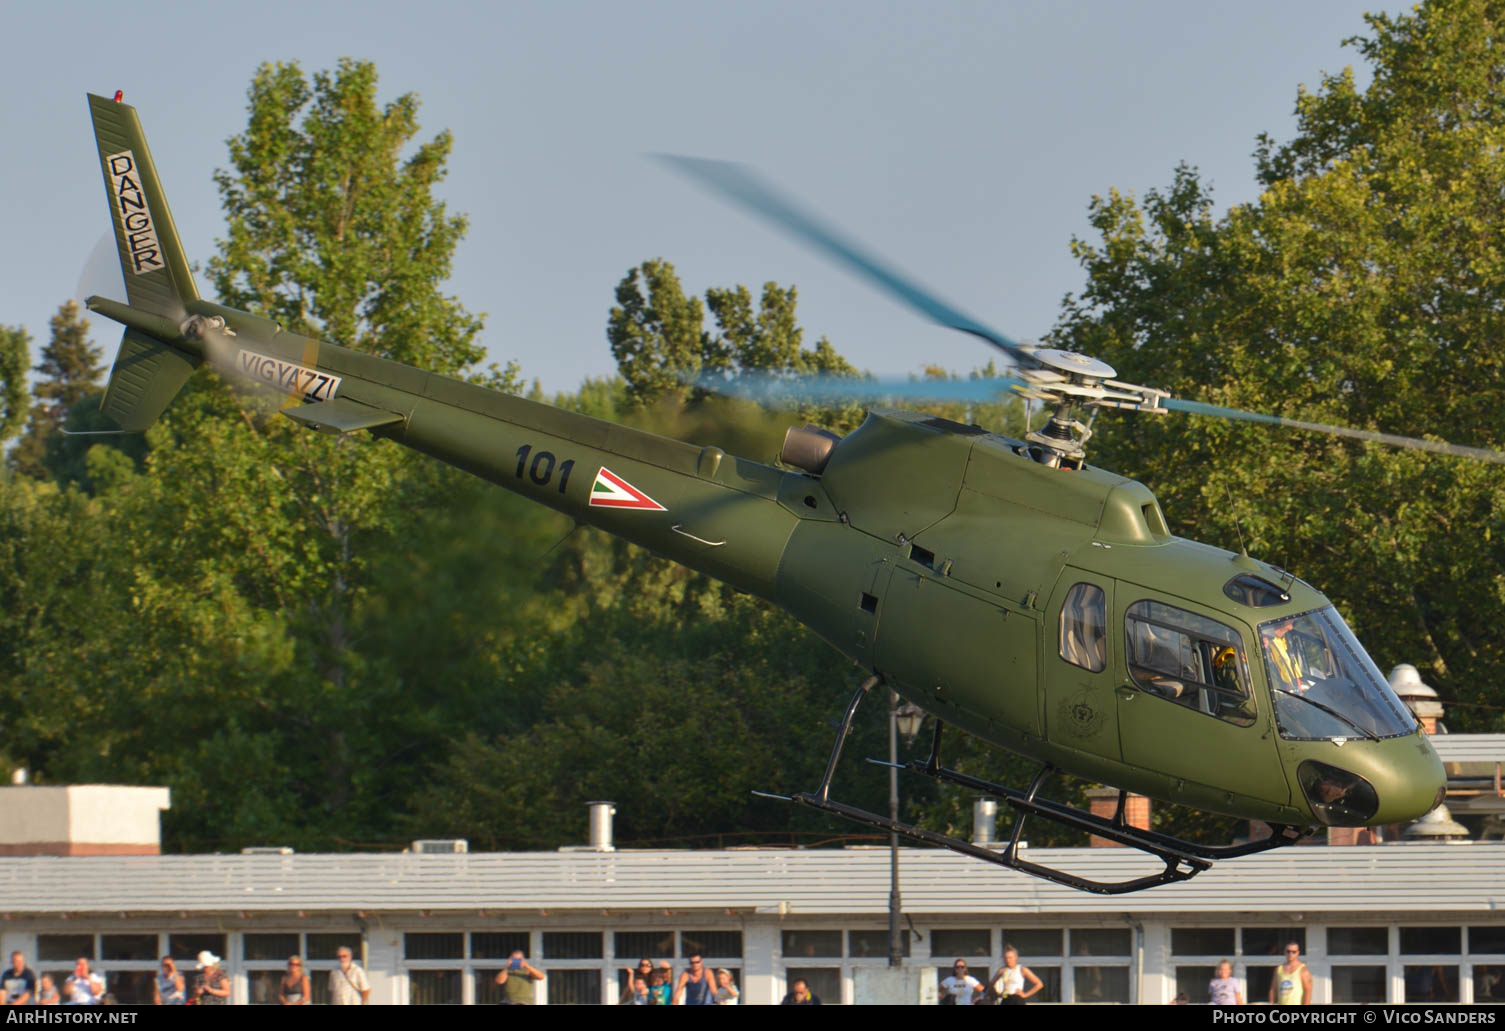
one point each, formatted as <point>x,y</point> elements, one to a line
<point>82,820</point>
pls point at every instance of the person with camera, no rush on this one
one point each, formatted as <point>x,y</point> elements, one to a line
<point>516,980</point>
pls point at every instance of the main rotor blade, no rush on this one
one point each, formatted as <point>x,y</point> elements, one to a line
<point>1436,446</point>
<point>837,389</point>
<point>740,184</point>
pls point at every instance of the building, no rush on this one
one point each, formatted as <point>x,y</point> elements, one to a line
<point>1398,922</point>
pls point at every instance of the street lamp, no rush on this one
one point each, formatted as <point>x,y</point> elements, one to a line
<point>902,719</point>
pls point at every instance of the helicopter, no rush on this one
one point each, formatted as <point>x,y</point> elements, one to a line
<point>1005,586</point>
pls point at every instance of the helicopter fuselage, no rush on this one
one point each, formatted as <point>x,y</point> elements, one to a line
<point>936,554</point>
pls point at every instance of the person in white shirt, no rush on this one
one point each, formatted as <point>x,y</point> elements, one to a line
<point>84,987</point>
<point>347,982</point>
<point>1011,977</point>
<point>962,986</point>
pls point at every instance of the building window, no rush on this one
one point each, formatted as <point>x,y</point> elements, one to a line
<point>434,987</point>
<point>1431,941</point>
<point>1193,982</point>
<point>1358,941</point>
<point>1271,941</point>
<point>630,946</point>
<point>1100,942</point>
<point>1202,941</point>
<point>572,945</point>
<point>491,945</point>
<point>873,944</point>
<point>1031,942</point>
<point>710,943</point>
<point>433,946</point>
<point>1050,977</point>
<point>1359,984</point>
<point>139,947</point>
<point>574,987</point>
<point>64,948</point>
<point>1101,983</point>
<point>824,982</point>
<point>968,942</point>
<point>807,944</point>
<point>1486,940</point>
<point>1489,983</point>
<point>1431,982</point>
<point>265,955</point>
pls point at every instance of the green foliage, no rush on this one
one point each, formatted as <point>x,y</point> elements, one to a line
<point>1364,287</point>
<point>334,230</point>
<point>69,373</point>
<point>15,400</point>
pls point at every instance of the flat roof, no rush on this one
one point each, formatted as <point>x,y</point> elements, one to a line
<point>1358,880</point>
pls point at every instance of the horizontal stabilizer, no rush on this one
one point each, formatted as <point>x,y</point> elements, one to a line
<point>147,375</point>
<point>341,415</point>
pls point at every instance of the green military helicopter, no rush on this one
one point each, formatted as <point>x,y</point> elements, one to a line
<point>1005,586</point>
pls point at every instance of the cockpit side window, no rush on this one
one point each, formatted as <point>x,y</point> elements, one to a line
<point>1190,660</point>
<point>1084,627</point>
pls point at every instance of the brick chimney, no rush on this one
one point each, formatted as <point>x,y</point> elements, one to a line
<point>1104,803</point>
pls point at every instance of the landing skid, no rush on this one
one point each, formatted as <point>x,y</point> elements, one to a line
<point>1183,859</point>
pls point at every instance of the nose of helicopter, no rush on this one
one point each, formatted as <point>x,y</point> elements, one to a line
<point>1369,783</point>
<point>1409,778</point>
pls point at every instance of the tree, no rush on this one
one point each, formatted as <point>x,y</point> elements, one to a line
<point>662,347</point>
<point>333,231</point>
<point>1363,287</point>
<point>15,356</point>
<point>69,373</point>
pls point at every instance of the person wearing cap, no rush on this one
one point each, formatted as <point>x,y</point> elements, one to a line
<point>210,986</point>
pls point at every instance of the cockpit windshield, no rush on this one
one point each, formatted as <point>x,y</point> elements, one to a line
<point>1325,685</point>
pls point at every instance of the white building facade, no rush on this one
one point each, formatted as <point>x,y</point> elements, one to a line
<point>1387,923</point>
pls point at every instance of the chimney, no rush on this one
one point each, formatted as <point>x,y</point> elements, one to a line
<point>81,819</point>
<point>1406,682</point>
<point>600,826</point>
<point>1104,803</point>
<point>984,821</point>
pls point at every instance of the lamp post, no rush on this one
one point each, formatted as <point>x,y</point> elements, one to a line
<point>902,719</point>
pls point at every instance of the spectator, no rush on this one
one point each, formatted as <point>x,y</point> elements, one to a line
<point>659,987</point>
<point>516,980</point>
<point>1292,983</point>
<point>644,969</point>
<point>84,987</point>
<point>726,988</point>
<point>800,995</point>
<point>47,993</point>
<point>347,982</point>
<point>167,986</point>
<point>695,987</point>
<point>210,985</point>
<point>1223,989</point>
<point>295,988</point>
<point>1010,979</point>
<point>20,984</point>
<point>636,993</point>
<point>962,988</point>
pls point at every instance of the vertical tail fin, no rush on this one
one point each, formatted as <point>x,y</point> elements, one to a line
<point>148,372</point>
<point>152,262</point>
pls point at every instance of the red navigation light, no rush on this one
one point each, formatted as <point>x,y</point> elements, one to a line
<point>119,95</point>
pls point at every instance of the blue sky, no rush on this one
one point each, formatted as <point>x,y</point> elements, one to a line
<point>963,140</point>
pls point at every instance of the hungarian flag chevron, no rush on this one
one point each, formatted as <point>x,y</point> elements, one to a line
<point>611,491</point>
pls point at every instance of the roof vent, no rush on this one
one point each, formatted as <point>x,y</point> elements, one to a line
<point>440,846</point>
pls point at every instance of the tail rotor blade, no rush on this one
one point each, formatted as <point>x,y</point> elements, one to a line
<point>740,184</point>
<point>1439,447</point>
